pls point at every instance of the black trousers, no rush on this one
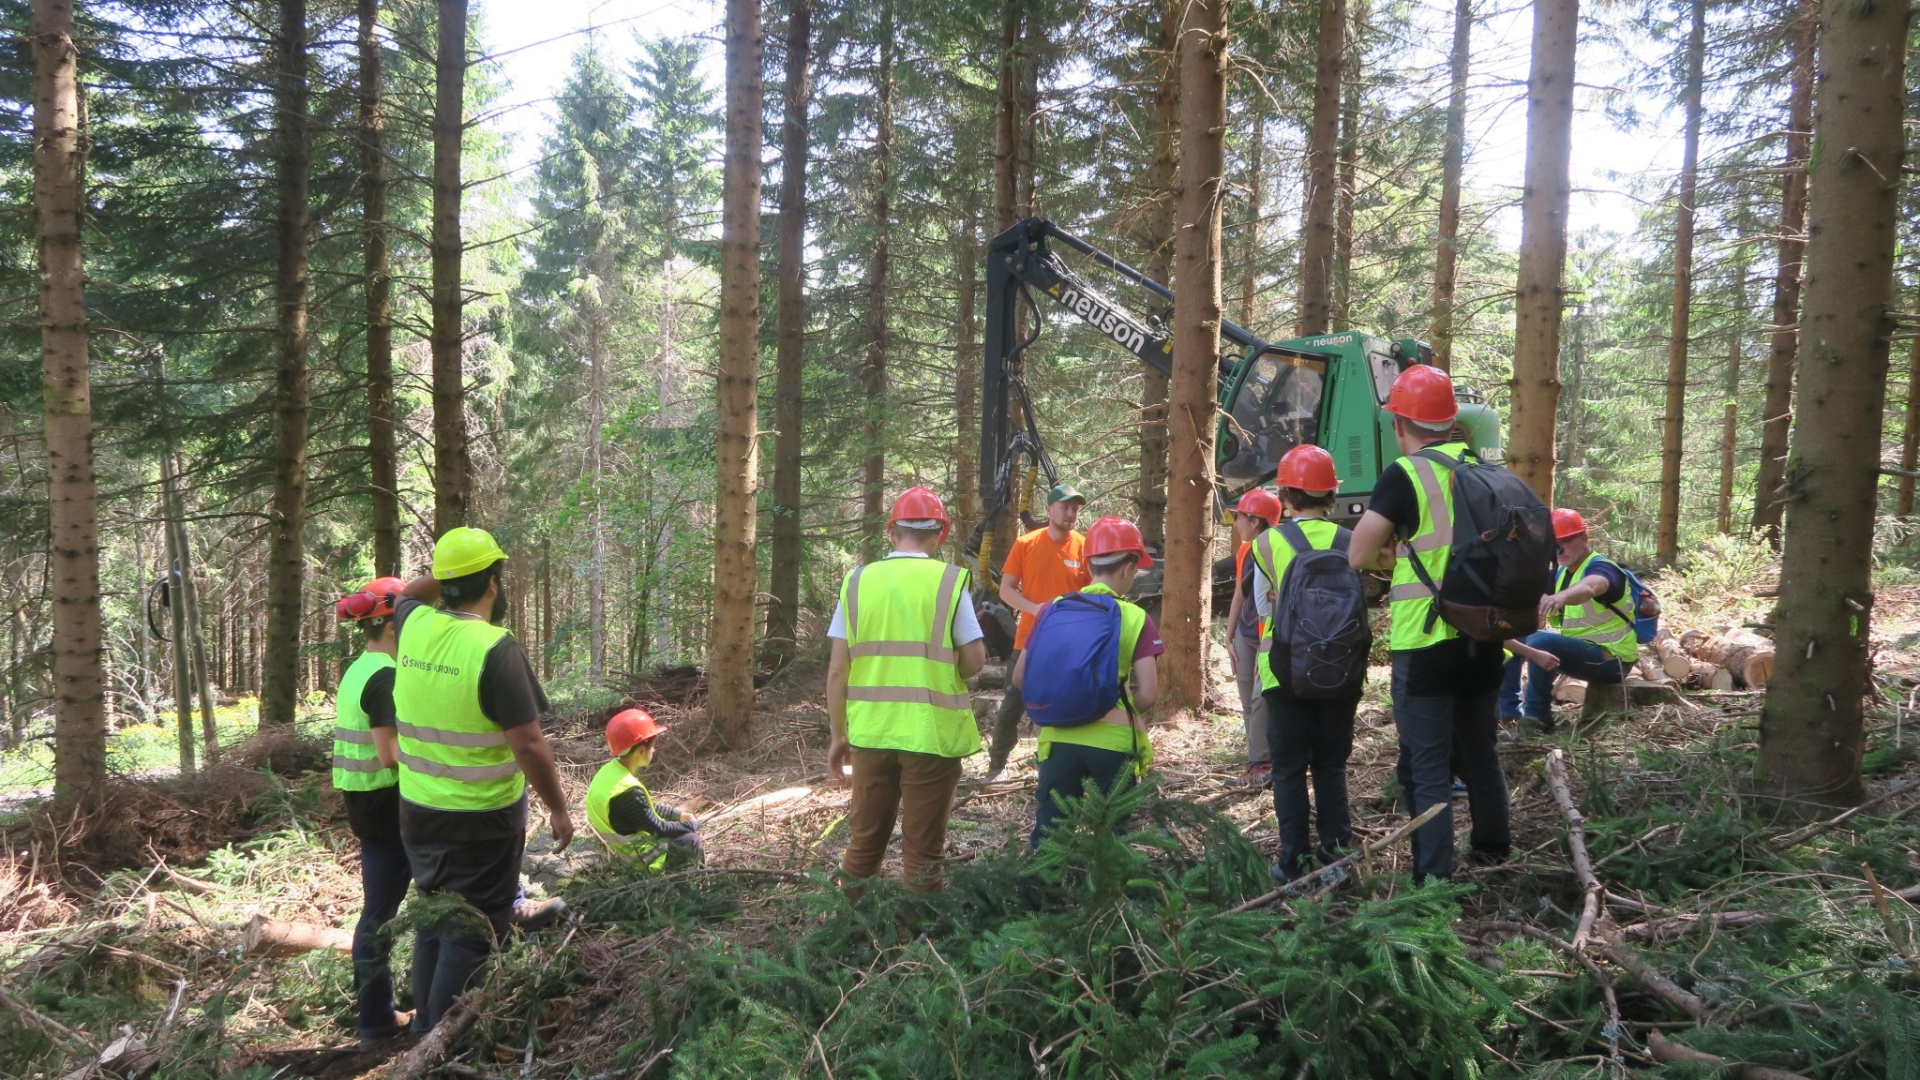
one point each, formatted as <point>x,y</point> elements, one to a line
<point>1443,735</point>
<point>449,952</point>
<point>1310,736</point>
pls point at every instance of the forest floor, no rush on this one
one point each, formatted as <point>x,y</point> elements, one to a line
<point>1726,927</point>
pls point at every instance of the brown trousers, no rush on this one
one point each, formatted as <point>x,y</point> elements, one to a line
<point>916,788</point>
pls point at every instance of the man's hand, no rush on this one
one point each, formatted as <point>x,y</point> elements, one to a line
<point>561,823</point>
<point>1233,657</point>
<point>1552,604</point>
<point>839,760</point>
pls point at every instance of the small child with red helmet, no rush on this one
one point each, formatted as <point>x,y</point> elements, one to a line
<point>621,809</point>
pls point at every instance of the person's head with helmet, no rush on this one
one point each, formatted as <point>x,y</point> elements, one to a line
<point>469,565</point>
<point>1571,544</point>
<point>1423,406</point>
<point>1308,481</point>
<point>370,607</point>
<point>630,736</point>
<point>919,521</point>
<point>1256,512</point>
<point>1116,553</point>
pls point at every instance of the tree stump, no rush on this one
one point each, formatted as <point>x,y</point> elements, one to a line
<point>1606,702</point>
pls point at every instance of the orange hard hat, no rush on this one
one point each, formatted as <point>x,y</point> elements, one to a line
<point>1568,523</point>
<point>917,504</point>
<point>629,728</point>
<point>375,600</point>
<point>1308,468</point>
<point>1114,536</point>
<point>1259,503</point>
<point>1423,394</point>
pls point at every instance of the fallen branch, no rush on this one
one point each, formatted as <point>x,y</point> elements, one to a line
<point>1667,1051</point>
<point>1298,883</point>
<point>1579,956</point>
<point>1662,987</point>
<point>46,1025</point>
<point>1577,843</point>
<point>277,937</point>
<point>1808,832</point>
<point>426,1053</point>
<point>1679,925</point>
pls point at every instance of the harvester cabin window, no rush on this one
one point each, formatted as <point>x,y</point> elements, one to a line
<point>1277,410</point>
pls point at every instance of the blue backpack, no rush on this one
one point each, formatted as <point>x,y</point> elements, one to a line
<point>1645,627</point>
<point>1072,656</point>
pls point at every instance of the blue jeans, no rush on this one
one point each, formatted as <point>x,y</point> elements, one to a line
<point>1066,772</point>
<point>1440,736</point>
<point>1579,659</point>
<point>384,877</point>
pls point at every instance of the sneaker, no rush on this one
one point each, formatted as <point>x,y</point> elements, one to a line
<point>371,1037</point>
<point>530,915</point>
<point>1459,788</point>
<point>1279,874</point>
<point>1258,775</point>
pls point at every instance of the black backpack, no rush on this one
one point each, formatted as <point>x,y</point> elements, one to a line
<point>1320,632</point>
<point>1501,561</point>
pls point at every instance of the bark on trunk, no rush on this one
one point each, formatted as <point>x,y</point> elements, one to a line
<point>1185,608</point>
<point>382,458</point>
<point>783,610</point>
<point>1811,734</point>
<point>287,518</point>
<point>1323,148</point>
<point>1452,160</point>
<point>1729,435</point>
<point>1006,122</point>
<point>730,648</point>
<point>597,347</point>
<point>1777,412</point>
<point>1910,433</point>
<point>451,483</point>
<point>1346,189</point>
<point>177,628</point>
<point>1156,240</point>
<point>1673,430</point>
<point>1032,41</point>
<point>966,360</point>
<point>1543,244</point>
<point>73,543</point>
<point>873,531</point>
<point>1256,205</point>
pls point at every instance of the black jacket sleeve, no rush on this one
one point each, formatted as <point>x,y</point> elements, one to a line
<point>376,699</point>
<point>629,813</point>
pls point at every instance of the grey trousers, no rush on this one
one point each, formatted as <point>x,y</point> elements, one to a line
<point>1253,704</point>
<point>1441,737</point>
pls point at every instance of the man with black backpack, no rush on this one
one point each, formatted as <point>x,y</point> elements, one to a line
<point>1074,674</point>
<point>1474,550</point>
<point>1312,657</point>
<point>1593,605</point>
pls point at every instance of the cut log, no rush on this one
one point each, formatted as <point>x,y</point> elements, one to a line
<point>1745,655</point>
<point>1673,659</point>
<point>1706,676</point>
<point>276,937</point>
<point>1649,670</point>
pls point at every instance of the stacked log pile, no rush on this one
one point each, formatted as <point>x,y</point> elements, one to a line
<point>1731,659</point>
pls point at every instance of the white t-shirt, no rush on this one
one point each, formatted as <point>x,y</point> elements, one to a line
<point>966,624</point>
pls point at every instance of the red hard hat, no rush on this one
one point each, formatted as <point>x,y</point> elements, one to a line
<point>1259,503</point>
<point>919,504</point>
<point>1568,523</point>
<point>1308,468</point>
<point>375,600</point>
<point>1424,394</point>
<point>1114,535</point>
<point>629,728</point>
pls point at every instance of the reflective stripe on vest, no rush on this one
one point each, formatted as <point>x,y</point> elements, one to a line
<point>452,757</point>
<point>1273,562</point>
<point>1408,599</point>
<point>904,690</point>
<point>1594,621</point>
<point>356,764</point>
<point>612,781</point>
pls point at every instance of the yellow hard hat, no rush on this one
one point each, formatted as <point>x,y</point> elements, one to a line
<point>464,551</point>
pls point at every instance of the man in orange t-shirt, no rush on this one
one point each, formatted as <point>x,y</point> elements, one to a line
<point>1042,565</point>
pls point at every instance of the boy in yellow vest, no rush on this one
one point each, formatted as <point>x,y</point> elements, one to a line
<point>365,759</point>
<point>905,640</point>
<point>621,809</point>
<point>1115,747</point>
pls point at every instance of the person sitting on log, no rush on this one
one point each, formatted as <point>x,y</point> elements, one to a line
<point>1594,638</point>
<point>621,809</point>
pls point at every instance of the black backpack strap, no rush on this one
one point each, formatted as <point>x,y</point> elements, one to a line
<point>1296,539</point>
<point>1626,587</point>
<point>1342,538</point>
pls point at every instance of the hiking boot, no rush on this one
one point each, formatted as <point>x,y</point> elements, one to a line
<point>1258,775</point>
<point>994,769</point>
<point>372,1037</point>
<point>531,915</point>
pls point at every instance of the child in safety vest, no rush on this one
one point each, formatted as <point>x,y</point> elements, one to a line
<point>621,809</point>
<point>1113,748</point>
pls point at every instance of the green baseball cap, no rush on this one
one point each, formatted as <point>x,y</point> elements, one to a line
<point>1063,492</point>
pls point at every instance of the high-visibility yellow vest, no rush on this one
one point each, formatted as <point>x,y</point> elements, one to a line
<point>1594,621</point>
<point>451,756</point>
<point>1114,731</point>
<point>356,764</point>
<point>1272,554</point>
<point>1409,600</point>
<point>610,782</point>
<point>904,691</point>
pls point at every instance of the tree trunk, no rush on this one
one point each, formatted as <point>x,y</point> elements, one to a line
<point>1156,240</point>
<point>177,622</point>
<point>73,547</point>
<point>1006,122</point>
<point>730,644</point>
<point>1032,40</point>
<point>1570,445</point>
<point>1256,205</point>
<point>1910,433</point>
<point>1453,157</point>
<point>1729,434</point>
<point>451,483</point>
<point>783,610</point>
<point>966,359</point>
<point>1673,430</point>
<point>1185,606</point>
<point>1811,734</point>
<point>873,525</point>
<point>287,520</point>
<point>1543,244</point>
<point>1323,148</point>
<point>1777,412</point>
<point>1346,187</point>
<point>597,346</point>
<point>382,458</point>
<point>187,600</point>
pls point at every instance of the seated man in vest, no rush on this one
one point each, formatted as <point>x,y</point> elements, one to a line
<point>470,743</point>
<point>1115,747</point>
<point>1593,612</point>
<point>621,809</point>
<point>366,773</point>
<point>905,639</point>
